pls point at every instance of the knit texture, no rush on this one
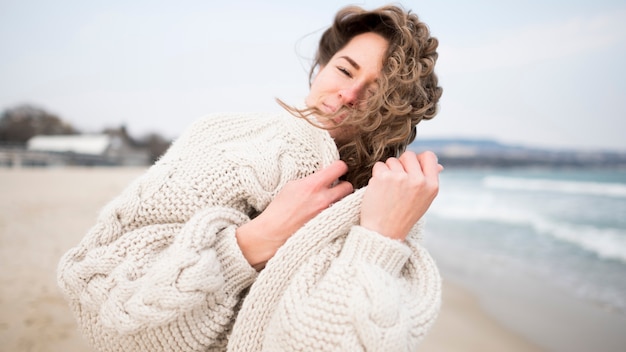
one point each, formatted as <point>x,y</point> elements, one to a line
<point>161,269</point>
<point>335,286</point>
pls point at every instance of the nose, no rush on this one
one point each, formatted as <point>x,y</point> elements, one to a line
<point>349,95</point>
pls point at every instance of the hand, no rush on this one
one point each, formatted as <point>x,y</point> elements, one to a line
<point>399,193</point>
<point>298,202</point>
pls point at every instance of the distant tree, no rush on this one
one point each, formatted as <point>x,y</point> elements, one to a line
<point>122,132</point>
<point>156,144</point>
<point>19,124</point>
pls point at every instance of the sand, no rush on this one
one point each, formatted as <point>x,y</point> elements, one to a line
<point>44,212</point>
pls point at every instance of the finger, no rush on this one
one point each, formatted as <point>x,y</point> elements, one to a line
<point>410,163</point>
<point>429,163</point>
<point>331,173</point>
<point>378,168</point>
<point>340,190</point>
<point>394,164</point>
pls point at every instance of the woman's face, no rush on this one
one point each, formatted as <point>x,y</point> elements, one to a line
<point>347,80</point>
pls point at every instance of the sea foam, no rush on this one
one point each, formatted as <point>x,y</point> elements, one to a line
<point>560,186</point>
<point>606,243</point>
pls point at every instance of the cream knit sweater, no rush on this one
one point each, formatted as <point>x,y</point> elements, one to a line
<point>161,269</point>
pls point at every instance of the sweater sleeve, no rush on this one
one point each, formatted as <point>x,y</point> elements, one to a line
<point>134,287</point>
<point>378,294</point>
<point>161,269</point>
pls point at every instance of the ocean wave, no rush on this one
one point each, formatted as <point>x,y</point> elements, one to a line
<point>606,243</point>
<point>481,212</point>
<point>547,185</point>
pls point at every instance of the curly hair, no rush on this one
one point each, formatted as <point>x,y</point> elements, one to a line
<point>407,92</point>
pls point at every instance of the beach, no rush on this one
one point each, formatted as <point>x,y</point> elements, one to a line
<point>44,212</point>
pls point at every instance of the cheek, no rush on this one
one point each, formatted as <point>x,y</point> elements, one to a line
<point>321,83</point>
<point>313,95</point>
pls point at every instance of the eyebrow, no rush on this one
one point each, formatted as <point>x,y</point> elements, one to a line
<point>352,62</point>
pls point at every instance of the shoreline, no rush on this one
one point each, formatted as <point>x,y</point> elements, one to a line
<point>44,212</point>
<point>535,310</point>
<point>464,325</point>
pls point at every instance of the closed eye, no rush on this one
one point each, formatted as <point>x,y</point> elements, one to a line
<point>344,71</point>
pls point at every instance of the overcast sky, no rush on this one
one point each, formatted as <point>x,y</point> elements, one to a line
<point>534,72</point>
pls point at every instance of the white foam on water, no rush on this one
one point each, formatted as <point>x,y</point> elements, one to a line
<point>559,186</point>
<point>607,243</point>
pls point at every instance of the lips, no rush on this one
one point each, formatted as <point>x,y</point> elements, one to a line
<point>328,109</point>
<point>332,113</point>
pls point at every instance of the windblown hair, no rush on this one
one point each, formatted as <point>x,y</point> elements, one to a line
<point>407,92</point>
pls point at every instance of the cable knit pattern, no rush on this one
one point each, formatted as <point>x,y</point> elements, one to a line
<point>335,286</point>
<point>161,269</point>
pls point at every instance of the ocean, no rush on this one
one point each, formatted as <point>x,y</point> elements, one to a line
<point>565,227</point>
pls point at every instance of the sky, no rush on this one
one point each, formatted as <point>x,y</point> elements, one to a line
<point>542,73</point>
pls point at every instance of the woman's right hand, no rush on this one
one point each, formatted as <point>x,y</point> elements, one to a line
<point>297,203</point>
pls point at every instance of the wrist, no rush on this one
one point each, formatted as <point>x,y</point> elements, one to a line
<point>254,243</point>
<point>386,229</point>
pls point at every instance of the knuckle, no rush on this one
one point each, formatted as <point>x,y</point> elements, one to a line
<point>422,184</point>
<point>409,154</point>
<point>428,153</point>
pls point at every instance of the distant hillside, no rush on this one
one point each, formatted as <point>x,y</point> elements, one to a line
<point>488,153</point>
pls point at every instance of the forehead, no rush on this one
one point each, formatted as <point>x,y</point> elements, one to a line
<point>367,50</point>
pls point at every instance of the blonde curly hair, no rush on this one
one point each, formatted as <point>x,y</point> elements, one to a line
<point>407,92</point>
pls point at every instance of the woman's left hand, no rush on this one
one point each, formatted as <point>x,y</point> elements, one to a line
<point>399,193</point>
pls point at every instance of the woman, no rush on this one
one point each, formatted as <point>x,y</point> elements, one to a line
<point>242,236</point>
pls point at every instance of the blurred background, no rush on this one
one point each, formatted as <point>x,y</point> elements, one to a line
<point>540,73</point>
<point>531,217</point>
